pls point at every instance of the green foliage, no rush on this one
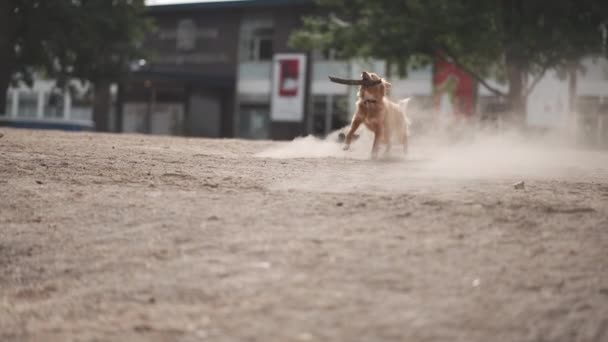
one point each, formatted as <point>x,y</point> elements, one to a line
<point>105,37</point>
<point>483,37</point>
<point>85,39</point>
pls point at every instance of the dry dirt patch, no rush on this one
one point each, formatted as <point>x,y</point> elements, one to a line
<point>127,237</point>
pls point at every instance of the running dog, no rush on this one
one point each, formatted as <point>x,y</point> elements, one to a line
<point>385,118</point>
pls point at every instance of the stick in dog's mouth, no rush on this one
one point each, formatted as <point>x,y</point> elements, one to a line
<point>365,83</point>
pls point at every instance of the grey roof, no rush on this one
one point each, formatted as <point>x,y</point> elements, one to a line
<point>226,4</point>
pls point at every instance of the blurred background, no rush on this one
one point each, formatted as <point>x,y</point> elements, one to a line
<point>257,69</point>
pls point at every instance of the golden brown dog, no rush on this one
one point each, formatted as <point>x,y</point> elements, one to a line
<point>386,119</point>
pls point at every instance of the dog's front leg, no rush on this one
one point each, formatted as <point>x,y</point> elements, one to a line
<point>403,138</point>
<point>387,140</point>
<point>351,131</point>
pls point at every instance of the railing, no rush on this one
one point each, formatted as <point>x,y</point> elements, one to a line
<point>31,109</point>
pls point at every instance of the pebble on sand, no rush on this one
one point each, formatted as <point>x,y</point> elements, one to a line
<point>519,186</point>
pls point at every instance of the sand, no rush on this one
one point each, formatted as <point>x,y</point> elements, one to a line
<point>140,238</point>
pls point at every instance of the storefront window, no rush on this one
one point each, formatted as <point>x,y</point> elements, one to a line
<point>257,39</point>
<point>254,121</point>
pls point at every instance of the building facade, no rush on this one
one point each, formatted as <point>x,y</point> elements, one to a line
<point>209,73</point>
<point>209,69</point>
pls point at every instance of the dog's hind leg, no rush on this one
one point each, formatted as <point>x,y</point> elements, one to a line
<point>377,137</point>
<point>387,141</point>
<point>404,132</point>
<point>404,141</point>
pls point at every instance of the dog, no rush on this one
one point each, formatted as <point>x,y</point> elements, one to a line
<point>385,118</point>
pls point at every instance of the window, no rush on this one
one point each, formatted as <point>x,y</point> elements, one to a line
<point>330,113</point>
<point>254,121</point>
<point>260,45</point>
<point>186,35</point>
<point>28,104</point>
<point>265,50</point>
<point>54,103</point>
<point>257,39</point>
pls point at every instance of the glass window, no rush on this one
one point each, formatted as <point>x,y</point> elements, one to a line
<point>335,106</point>
<point>54,104</point>
<point>319,106</point>
<point>257,39</point>
<point>254,121</point>
<point>261,45</point>
<point>28,104</point>
<point>265,50</point>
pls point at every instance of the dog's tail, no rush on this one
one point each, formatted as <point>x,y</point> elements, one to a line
<point>403,107</point>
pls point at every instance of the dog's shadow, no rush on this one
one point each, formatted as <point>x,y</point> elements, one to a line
<point>390,158</point>
<point>394,159</point>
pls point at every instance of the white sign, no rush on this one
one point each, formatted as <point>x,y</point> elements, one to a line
<point>288,87</point>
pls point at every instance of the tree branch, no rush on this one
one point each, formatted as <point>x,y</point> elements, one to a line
<point>537,79</point>
<point>477,77</point>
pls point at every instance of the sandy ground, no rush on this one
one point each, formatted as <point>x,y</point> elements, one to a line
<point>138,238</point>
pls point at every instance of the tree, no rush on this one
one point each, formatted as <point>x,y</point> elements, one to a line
<point>506,39</point>
<point>105,37</point>
<point>22,43</point>
<point>91,40</point>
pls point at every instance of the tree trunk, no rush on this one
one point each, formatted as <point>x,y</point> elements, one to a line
<point>516,97</point>
<point>513,13</point>
<point>572,110</point>
<point>572,84</point>
<point>101,105</point>
<point>7,58</point>
<point>118,108</point>
<point>5,78</point>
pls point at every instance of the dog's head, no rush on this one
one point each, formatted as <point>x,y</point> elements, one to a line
<point>375,92</point>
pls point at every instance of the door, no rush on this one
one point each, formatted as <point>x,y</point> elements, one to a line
<point>204,115</point>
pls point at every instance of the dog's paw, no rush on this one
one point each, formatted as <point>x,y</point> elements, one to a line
<point>346,147</point>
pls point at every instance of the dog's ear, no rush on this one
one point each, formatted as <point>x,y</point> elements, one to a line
<point>387,86</point>
<point>365,76</point>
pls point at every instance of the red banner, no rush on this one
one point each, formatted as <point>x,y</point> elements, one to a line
<point>289,77</point>
<point>453,90</point>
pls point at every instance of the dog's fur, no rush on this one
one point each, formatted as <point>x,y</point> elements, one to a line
<point>386,119</point>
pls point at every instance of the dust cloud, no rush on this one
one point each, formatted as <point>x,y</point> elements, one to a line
<point>462,153</point>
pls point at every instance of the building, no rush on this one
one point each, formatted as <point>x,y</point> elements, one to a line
<point>209,70</point>
<point>209,73</point>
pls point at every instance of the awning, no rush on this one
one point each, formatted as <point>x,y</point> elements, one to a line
<point>186,77</point>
